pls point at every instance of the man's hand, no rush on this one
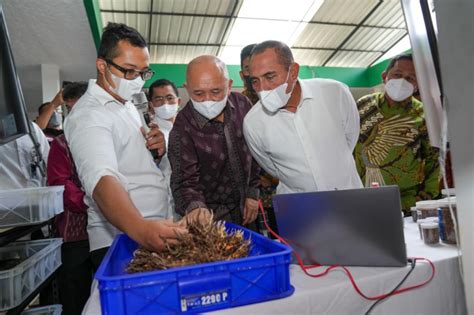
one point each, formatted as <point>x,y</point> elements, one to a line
<point>202,215</point>
<point>250,211</point>
<point>154,233</point>
<point>155,140</point>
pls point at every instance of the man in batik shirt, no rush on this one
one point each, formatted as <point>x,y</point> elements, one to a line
<point>393,147</point>
<point>212,168</point>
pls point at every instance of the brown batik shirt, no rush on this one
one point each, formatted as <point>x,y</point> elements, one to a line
<point>211,164</point>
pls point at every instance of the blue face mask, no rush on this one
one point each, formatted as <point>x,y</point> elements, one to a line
<point>55,120</point>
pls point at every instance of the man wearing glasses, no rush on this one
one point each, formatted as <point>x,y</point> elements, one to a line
<point>164,104</point>
<point>125,191</point>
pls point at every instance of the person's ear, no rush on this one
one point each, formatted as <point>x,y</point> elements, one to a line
<point>294,71</point>
<point>101,66</point>
<point>242,75</point>
<point>179,101</point>
<point>384,76</point>
<point>230,86</point>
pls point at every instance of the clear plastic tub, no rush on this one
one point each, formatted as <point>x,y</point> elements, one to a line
<point>446,223</point>
<point>30,205</point>
<point>430,233</point>
<point>427,208</point>
<point>55,309</point>
<point>24,266</point>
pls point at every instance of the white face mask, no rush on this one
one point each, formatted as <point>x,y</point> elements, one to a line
<point>399,89</point>
<point>277,98</point>
<point>210,109</point>
<point>126,88</point>
<point>166,111</point>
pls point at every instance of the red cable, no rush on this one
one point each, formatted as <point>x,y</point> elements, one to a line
<point>346,270</point>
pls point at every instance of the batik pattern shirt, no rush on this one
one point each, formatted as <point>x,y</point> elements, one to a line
<point>211,164</point>
<point>394,149</point>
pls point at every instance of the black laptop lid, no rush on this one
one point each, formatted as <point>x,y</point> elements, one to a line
<point>356,227</point>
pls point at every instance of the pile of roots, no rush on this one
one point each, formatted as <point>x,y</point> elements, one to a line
<point>205,242</point>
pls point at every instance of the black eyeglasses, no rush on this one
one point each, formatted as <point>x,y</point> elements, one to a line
<point>161,99</point>
<point>132,74</point>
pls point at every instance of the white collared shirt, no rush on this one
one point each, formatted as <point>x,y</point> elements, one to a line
<point>311,149</point>
<point>16,160</point>
<point>165,166</point>
<point>105,140</point>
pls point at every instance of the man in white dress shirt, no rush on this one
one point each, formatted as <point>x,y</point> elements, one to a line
<point>125,191</point>
<point>301,131</point>
<point>164,104</point>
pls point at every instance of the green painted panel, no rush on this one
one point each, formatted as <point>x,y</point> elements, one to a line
<point>353,77</point>
<point>374,73</point>
<point>95,20</point>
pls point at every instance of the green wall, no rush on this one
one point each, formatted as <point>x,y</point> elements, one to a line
<point>353,77</point>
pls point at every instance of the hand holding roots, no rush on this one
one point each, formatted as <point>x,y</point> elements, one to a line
<point>206,242</point>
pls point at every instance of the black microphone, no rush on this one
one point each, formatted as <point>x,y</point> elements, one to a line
<point>141,103</point>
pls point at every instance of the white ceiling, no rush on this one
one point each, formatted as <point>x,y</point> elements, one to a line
<point>49,32</point>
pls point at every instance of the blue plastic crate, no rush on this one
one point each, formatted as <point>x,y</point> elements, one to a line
<point>262,276</point>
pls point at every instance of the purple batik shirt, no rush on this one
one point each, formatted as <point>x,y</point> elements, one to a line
<point>211,164</point>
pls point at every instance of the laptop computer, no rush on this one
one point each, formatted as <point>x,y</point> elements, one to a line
<point>356,227</point>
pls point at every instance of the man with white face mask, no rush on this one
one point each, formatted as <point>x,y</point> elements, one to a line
<point>164,104</point>
<point>125,191</point>
<point>393,146</point>
<point>212,166</point>
<point>301,131</point>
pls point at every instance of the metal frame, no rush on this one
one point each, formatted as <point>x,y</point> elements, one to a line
<point>348,37</point>
<point>233,16</point>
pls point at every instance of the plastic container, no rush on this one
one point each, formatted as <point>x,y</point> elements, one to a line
<point>427,208</point>
<point>426,220</point>
<point>264,275</point>
<point>30,205</point>
<point>414,214</point>
<point>451,191</point>
<point>36,261</point>
<point>446,223</point>
<point>430,232</point>
<point>55,309</point>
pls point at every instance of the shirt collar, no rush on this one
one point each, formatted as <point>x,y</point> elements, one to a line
<point>200,119</point>
<point>99,93</point>
<point>306,92</point>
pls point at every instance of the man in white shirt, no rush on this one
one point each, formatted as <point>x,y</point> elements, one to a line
<point>301,131</point>
<point>17,166</point>
<point>124,189</point>
<point>164,104</point>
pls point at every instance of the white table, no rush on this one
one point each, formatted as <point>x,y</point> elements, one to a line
<point>334,294</point>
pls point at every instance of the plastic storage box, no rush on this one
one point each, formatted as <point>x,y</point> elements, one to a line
<point>264,275</point>
<point>35,262</point>
<point>55,309</point>
<point>30,205</point>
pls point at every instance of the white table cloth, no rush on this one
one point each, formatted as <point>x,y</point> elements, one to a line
<point>334,294</point>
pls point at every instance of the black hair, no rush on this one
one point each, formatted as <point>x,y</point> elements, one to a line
<point>74,90</point>
<point>284,53</point>
<point>40,109</point>
<point>160,83</point>
<point>113,34</point>
<point>397,58</point>
<point>245,52</point>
